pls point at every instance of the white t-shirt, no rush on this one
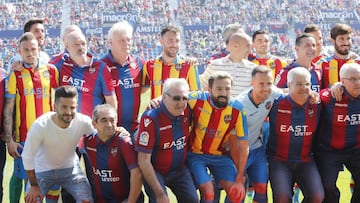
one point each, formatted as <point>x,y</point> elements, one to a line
<point>50,147</point>
<point>255,115</point>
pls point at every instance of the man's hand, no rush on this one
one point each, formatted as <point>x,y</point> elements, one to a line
<point>314,97</point>
<point>13,148</point>
<point>17,65</point>
<point>154,103</point>
<point>237,192</point>
<point>34,195</point>
<point>121,131</point>
<point>337,91</point>
<point>163,198</point>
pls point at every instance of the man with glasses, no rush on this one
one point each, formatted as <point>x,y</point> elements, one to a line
<point>293,124</point>
<point>162,145</point>
<point>339,141</point>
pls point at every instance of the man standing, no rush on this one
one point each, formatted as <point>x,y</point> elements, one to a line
<point>305,48</point>
<point>90,76</point>
<point>111,159</point>
<point>339,142</point>
<point>2,141</point>
<point>293,124</point>
<point>46,163</point>
<point>261,44</point>
<point>216,117</point>
<point>316,32</point>
<point>29,91</point>
<point>235,63</point>
<point>162,145</point>
<point>169,64</point>
<point>331,65</point>
<point>126,72</point>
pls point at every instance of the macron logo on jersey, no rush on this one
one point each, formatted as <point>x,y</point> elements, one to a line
<point>353,119</point>
<point>179,144</point>
<point>147,122</point>
<point>298,130</point>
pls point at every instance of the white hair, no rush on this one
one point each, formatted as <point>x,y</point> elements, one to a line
<point>171,83</point>
<point>298,71</point>
<point>348,66</point>
<point>121,27</point>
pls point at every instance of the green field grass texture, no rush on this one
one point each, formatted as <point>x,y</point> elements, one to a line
<point>342,182</point>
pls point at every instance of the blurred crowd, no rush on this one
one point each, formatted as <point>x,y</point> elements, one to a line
<point>197,43</point>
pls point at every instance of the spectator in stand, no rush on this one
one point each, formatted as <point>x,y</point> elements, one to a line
<point>261,44</point>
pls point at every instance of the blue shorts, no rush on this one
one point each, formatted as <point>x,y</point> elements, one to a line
<point>256,166</point>
<point>19,170</point>
<point>221,167</point>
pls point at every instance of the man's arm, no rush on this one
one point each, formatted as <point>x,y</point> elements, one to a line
<point>34,192</point>
<point>135,185</point>
<point>8,127</point>
<point>111,100</point>
<point>148,173</point>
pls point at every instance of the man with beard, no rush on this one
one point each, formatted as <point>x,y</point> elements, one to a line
<point>90,76</point>
<point>29,91</point>
<point>45,162</point>
<point>341,40</point>
<point>217,116</point>
<point>169,64</point>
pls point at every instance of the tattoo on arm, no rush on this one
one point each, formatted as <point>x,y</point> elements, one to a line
<point>8,118</point>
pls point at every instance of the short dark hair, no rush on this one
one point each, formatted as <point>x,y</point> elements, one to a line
<point>170,28</point>
<point>311,28</point>
<point>259,32</point>
<point>31,22</point>
<point>65,91</point>
<point>260,69</point>
<point>340,29</point>
<point>301,37</point>
<point>219,75</point>
<point>27,36</point>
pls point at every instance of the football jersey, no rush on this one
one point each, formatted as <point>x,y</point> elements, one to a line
<point>213,126</point>
<point>127,81</point>
<point>292,130</point>
<point>32,89</point>
<point>110,164</point>
<point>156,72</point>
<point>165,137</point>
<point>340,122</point>
<point>273,62</point>
<point>315,72</point>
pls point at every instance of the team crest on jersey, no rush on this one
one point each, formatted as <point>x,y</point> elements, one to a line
<point>92,69</point>
<point>144,138</point>
<point>268,105</point>
<point>272,65</point>
<point>311,112</point>
<point>46,74</point>
<point>178,66</point>
<point>227,118</point>
<point>113,151</point>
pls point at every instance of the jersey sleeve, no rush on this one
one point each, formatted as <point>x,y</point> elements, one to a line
<point>127,149</point>
<point>10,87</point>
<point>146,138</point>
<point>107,85</point>
<point>281,79</point>
<point>193,78</point>
<point>145,81</point>
<point>241,126</point>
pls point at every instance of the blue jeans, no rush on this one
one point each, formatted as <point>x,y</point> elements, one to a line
<point>72,179</point>
<point>181,184</point>
<point>330,163</point>
<point>284,174</point>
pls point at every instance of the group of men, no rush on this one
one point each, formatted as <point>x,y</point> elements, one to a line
<point>208,132</point>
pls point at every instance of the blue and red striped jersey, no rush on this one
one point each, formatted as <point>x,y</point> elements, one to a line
<point>165,137</point>
<point>292,130</point>
<point>316,76</point>
<point>111,163</point>
<point>340,122</point>
<point>127,81</point>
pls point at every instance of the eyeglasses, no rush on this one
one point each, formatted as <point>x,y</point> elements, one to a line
<point>177,98</point>
<point>299,84</point>
<point>352,80</point>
